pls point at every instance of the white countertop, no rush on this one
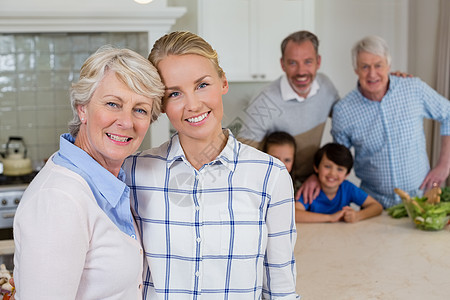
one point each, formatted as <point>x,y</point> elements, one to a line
<point>379,258</point>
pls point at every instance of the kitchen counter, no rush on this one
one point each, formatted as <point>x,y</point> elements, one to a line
<point>6,247</point>
<point>379,258</point>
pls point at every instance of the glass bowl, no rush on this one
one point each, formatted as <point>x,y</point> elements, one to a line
<point>425,216</point>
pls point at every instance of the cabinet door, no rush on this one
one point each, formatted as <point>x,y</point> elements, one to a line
<point>247,33</point>
<point>275,20</point>
<point>225,24</point>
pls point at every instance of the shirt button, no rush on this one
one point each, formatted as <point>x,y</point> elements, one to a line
<point>141,252</point>
<point>140,286</point>
<point>133,236</point>
<point>199,240</point>
<point>197,208</point>
<point>197,273</point>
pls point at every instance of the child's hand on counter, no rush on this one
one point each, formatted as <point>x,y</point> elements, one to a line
<point>350,215</point>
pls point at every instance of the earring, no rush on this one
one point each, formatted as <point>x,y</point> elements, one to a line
<point>82,119</point>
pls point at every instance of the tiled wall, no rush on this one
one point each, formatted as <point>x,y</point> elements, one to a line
<point>36,71</point>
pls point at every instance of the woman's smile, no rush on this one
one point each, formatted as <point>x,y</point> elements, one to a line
<point>118,138</point>
<point>197,119</point>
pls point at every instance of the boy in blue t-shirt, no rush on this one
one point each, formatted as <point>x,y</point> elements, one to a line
<point>333,163</point>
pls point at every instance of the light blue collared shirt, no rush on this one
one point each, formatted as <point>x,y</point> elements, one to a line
<point>111,193</point>
<point>388,136</point>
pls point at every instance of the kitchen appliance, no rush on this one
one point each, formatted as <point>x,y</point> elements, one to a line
<point>11,190</point>
<point>15,161</point>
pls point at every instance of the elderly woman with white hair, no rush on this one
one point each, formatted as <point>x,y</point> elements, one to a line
<point>75,237</point>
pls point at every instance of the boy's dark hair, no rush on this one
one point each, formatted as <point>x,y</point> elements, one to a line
<point>337,153</point>
<point>278,138</point>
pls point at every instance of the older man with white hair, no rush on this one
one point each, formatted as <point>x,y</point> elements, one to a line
<point>382,118</point>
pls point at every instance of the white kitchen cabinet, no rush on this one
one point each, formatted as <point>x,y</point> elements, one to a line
<point>247,33</point>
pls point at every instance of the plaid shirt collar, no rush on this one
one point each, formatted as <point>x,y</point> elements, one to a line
<point>227,157</point>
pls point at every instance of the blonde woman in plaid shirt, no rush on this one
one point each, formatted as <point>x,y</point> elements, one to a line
<point>216,217</point>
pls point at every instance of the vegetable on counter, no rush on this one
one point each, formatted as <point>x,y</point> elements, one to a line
<point>445,196</point>
<point>397,211</point>
<point>430,212</point>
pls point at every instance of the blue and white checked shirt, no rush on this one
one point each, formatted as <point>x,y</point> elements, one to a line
<point>226,231</point>
<point>388,136</point>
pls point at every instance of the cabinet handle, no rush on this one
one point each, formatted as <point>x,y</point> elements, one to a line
<point>263,76</point>
<point>254,76</point>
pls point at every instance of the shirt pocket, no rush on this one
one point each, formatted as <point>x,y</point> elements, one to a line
<point>242,233</point>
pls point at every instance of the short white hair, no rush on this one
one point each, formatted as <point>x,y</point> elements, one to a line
<point>371,44</point>
<point>130,67</point>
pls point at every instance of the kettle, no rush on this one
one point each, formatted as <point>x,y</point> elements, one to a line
<point>15,161</point>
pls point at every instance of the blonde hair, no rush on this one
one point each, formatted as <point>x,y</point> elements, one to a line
<point>130,67</point>
<point>181,43</point>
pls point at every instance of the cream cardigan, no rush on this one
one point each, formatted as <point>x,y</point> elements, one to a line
<point>67,247</point>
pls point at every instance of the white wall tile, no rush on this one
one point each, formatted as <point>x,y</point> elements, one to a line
<point>36,72</point>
